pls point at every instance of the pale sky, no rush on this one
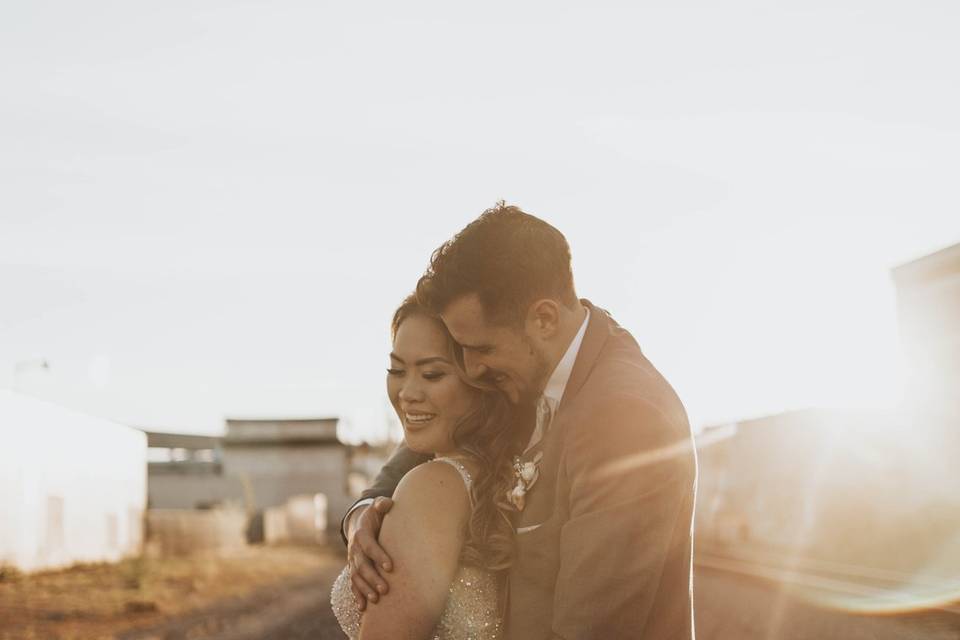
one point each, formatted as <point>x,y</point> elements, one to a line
<point>212,209</point>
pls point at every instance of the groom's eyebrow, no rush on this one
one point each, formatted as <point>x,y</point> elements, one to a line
<point>474,347</point>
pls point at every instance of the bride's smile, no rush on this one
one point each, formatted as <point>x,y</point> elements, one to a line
<point>418,418</point>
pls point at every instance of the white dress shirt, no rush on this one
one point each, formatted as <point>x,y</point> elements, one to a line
<point>557,383</point>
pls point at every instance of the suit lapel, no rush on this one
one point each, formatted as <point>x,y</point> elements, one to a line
<point>541,496</point>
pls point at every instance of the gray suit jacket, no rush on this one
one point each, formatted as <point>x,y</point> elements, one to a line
<point>604,542</point>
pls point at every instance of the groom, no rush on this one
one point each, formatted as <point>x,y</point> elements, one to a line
<point>605,522</point>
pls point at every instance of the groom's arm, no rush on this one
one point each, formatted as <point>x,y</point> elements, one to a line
<point>402,460</point>
<point>625,551</point>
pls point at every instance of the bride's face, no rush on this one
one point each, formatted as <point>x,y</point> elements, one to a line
<point>425,387</point>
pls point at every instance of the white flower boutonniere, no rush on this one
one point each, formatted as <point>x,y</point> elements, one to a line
<point>526,473</point>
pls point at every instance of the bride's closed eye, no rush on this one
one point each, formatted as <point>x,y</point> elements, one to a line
<point>433,375</point>
<point>395,372</point>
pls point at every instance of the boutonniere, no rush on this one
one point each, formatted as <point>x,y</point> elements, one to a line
<point>526,473</point>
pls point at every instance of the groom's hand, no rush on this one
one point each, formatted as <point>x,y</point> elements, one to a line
<point>367,559</point>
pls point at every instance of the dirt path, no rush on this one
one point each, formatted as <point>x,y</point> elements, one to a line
<point>294,609</point>
<point>728,606</point>
<point>258,592</point>
<point>732,606</point>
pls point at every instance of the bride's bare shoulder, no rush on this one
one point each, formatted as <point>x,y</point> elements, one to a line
<point>430,485</point>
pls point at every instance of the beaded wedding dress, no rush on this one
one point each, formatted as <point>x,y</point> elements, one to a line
<point>471,609</point>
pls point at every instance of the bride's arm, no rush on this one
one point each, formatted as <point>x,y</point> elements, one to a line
<point>423,534</point>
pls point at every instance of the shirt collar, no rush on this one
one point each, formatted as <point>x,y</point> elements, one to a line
<point>557,383</point>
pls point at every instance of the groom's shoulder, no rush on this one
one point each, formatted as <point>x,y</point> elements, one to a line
<point>622,373</point>
<point>625,397</point>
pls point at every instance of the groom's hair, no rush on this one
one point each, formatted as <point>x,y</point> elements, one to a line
<point>507,257</point>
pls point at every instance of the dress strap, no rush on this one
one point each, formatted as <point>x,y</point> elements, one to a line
<point>467,478</point>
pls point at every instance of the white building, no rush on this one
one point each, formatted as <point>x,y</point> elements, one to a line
<point>72,486</point>
<point>928,307</point>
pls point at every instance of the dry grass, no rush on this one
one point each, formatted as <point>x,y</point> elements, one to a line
<point>97,601</point>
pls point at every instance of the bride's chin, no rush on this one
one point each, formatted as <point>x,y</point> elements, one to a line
<point>416,447</point>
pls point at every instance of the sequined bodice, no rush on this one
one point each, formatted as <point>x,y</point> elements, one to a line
<point>470,612</point>
<point>471,609</point>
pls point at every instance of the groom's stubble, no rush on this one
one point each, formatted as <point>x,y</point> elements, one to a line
<point>541,370</point>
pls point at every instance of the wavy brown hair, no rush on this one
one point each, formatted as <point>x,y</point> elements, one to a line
<point>508,258</point>
<point>490,437</point>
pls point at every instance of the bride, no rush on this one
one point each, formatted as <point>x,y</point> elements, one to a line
<point>449,534</point>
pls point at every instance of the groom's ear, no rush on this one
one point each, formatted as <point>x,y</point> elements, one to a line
<point>543,319</point>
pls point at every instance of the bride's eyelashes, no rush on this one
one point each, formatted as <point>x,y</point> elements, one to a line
<point>427,375</point>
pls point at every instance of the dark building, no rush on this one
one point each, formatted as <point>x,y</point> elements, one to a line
<point>258,464</point>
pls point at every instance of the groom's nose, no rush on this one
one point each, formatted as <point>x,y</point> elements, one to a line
<point>474,368</point>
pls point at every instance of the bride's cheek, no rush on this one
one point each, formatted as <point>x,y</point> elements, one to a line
<point>392,390</point>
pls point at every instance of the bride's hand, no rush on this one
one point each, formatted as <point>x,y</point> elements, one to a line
<point>366,558</point>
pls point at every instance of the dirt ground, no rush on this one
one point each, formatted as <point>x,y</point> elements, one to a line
<point>259,592</point>
<point>284,594</point>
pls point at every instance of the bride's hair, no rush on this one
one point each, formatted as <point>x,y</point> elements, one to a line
<point>488,435</point>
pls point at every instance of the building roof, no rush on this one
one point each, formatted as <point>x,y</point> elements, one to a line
<point>292,420</point>
<point>181,440</point>
<point>254,431</point>
<point>930,267</point>
<point>281,431</point>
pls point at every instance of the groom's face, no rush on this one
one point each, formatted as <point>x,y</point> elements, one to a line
<point>503,356</point>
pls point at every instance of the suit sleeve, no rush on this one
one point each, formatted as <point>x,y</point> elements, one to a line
<point>402,460</point>
<point>631,474</point>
